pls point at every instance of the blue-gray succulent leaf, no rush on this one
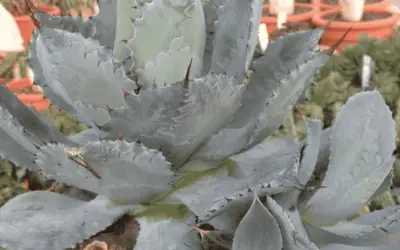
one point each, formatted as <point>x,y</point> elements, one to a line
<point>32,122</point>
<point>258,230</point>
<point>85,72</point>
<point>264,108</point>
<point>119,170</point>
<point>235,37</point>
<point>145,113</point>
<point>210,103</point>
<point>391,245</point>
<point>105,23</point>
<point>210,9</point>
<point>159,51</point>
<point>48,221</point>
<point>73,24</point>
<point>360,159</point>
<point>371,229</point>
<point>23,131</point>
<point>166,234</point>
<point>293,237</point>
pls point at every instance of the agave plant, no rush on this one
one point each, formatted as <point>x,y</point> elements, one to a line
<point>177,145</point>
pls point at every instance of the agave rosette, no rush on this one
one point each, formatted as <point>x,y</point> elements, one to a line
<point>179,99</point>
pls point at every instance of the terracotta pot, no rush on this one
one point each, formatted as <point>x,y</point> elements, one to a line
<point>382,5</point>
<point>271,21</point>
<point>380,28</point>
<point>26,25</point>
<point>18,84</point>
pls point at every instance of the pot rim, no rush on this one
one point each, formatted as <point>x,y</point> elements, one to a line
<point>366,25</point>
<point>366,6</point>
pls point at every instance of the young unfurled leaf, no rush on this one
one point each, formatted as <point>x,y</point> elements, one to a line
<point>362,144</point>
<point>48,221</point>
<point>258,230</point>
<point>162,49</point>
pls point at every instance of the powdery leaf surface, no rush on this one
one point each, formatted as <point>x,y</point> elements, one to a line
<point>362,143</point>
<point>48,221</point>
<point>257,230</point>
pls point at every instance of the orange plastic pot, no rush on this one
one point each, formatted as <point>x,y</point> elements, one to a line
<point>36,100</point>
<point>271,21</point>
<point>17,84</point>
<point>382,5</point>
<point>381,28</point>
<point>26,25</point>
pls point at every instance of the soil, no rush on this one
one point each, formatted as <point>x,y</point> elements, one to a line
<point>297,11</point>
<point>367,16</point>
<point>335,2</point>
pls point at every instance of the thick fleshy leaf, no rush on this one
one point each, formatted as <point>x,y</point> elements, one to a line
<point>100,27</point>
<point>16,146</point>
<point>200,192</point>
<point>73,24</point>
<point>145,113</point>
<point>166,234</point>
<point>127,11</point>
<point>85,136</point>
<point>81,73</point>
<point>385,186</point>
<point>363,140</point>
<point>106,22</point>
<point>40,62</point>
<point>392,245</point>
<point>229,219</point>
<point>23,131</point>
<point>235,37</point>
<point>210,103</point>
<point>162,50</point>
<point>31,120</point>
<point>292,239</point>
<point>210,9</point>
<point>121,171</point>
<point>281,164</point>
<point>258,230</point>
<point>264,107</point>
<point>310,150</point>
<point>373,228</point>
<point>48,221</point>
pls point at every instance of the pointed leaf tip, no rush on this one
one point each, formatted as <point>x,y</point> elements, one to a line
<point>258,230</point>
